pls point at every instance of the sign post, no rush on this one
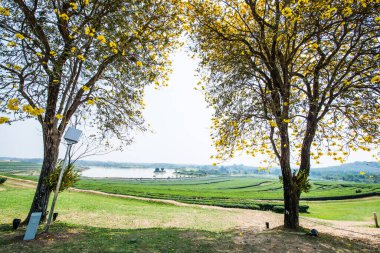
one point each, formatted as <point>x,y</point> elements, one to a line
<point>31,230</point>
<point>72,137</point>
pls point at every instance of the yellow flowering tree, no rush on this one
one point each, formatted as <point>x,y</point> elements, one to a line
<point>290,81</point>
<point>89,58</point>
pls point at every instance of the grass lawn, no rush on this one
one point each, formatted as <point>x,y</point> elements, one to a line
<point>96,223</point>
<point>345,210</point>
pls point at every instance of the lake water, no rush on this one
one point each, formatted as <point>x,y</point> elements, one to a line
<point>102,172</point>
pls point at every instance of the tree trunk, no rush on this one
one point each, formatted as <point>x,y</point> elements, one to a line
<point>41,197</point>
<point>291,202</point>
<point>291,192</point>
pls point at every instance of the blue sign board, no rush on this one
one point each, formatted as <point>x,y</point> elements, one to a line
<point>31,230</point>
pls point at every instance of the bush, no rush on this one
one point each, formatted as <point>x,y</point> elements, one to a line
<point>70,177</point>
<point>303,208</point>
<point>358,191</point>
<point>2,180</point>
<point>278,209</point>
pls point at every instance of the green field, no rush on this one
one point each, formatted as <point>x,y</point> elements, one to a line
<point>96,223</point>
<point>241,192</point>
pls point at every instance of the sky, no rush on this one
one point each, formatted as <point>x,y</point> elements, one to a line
<point>178,116</point>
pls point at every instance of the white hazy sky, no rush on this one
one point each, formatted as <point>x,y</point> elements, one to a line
<point>178,116</point>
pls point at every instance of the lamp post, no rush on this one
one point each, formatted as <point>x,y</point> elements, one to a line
<point>72,136</point>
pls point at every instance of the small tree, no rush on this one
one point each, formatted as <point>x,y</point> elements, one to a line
<point>87,57</point>
<point>290,81</point>
<point>70,177</point>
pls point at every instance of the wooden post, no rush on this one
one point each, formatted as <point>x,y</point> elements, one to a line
<point>375,218</point>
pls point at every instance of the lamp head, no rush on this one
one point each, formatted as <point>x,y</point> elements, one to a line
<point>72,135</point>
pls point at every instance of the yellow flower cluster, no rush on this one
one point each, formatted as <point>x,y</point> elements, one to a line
<point>90,102</point>
<point>13,104</point>
<point>102,39</point>
<point>33,111</point>
<point>81,57</point>
<point>375,79</point>
<point>59,116</point>
<point>287,12</point>
<point>11,44</point>
<point>89,31</point>
<point>347,11</point>
<point>4,11</point>
<point>73,6</point>
<point>139,64</point>
<point>85,88</point>
<point>4,120</point>
<point>272,123</point>
<point>20,36</point>
<point>64,16</point>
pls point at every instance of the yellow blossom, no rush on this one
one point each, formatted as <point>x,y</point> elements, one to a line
<point>64,16</point>
<point>102,39</point>
<point>375,79</point>
<point>81,57</point>
<point>73,6</point>
<point>314,46</point>
<point>377,19</point>
<point>11,44</point>
<point>27,108</point>
<point>90,102</point>
<point>17,67</point>
<point>85,88</point>
<point>59,116</point>
<point>53,53</point>
<point>13,104</point>
<point>347,11</point>
<point>20,36</point>
<point>39,54</point>
<point>362,173</point>
<point>139,64</point>
<point>4,120</point>
<point>272,123</point>
<point>286,120</point>
<point>4,11</point>
<point>287,12</point>
<point>303,2</point>
<point>112,44</point>
<point>86,2</point>
<point>73,49</point>
<point>89,31</point>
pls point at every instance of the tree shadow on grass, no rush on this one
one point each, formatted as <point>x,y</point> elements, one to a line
<point>71,238</point>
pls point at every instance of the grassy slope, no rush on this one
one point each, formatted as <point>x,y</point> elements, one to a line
<point>93,223</point>
<point>348,210</point>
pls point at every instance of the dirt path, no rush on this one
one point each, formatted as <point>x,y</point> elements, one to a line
<point>254,220</point>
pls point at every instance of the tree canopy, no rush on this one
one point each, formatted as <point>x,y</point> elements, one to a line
<point>89,57</point>
<point>323,56</point>
<point>290,80</point>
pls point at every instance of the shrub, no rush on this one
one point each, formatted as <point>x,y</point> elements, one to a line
<point>70,177</point>
<point>303,208</point>
<point>278,209</point>
<point>358,191</point>
<point>2,180</point>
